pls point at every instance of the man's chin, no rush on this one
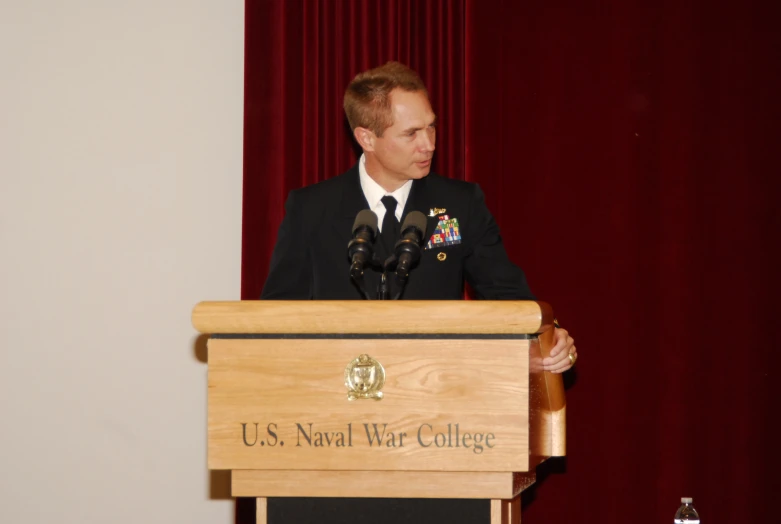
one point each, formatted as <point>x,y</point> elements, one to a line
<point>421,169</point>
<point>420,173</point>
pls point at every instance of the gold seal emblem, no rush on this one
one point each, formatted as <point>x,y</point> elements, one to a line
<point>441,256</point>
<point>364,378</point>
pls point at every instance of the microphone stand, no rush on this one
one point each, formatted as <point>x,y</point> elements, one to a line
<point>383,293</point>
<point>383,290</point>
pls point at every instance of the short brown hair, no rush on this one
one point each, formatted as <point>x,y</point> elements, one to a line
<point>367,98</point>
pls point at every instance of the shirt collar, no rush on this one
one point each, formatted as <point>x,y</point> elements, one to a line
<point>374,192</point>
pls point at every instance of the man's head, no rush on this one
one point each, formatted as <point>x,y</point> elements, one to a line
<point>391,118</point>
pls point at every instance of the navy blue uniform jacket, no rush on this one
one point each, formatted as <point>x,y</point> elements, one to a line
<point>310,258</point>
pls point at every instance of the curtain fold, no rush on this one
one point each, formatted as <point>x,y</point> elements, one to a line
<point>626,149</point>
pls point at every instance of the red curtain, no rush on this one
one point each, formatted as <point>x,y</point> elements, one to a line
<point>627,150</point>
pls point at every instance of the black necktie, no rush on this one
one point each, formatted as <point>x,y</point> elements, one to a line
<point>390,225</point>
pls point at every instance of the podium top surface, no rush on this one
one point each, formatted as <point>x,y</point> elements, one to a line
<point>467,317</point>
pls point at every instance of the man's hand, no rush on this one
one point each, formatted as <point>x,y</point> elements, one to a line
<point>559,359</point>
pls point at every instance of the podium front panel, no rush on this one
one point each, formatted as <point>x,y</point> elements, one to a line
<point>448,404</point>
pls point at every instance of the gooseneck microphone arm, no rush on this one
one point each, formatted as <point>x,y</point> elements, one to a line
<point>407,250</point>
<point>360,250</point>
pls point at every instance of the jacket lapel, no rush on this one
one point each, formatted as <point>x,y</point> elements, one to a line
<point>420,200</point>
<point>348,205</point>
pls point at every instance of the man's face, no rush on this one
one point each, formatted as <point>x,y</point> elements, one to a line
<point>405,149</point>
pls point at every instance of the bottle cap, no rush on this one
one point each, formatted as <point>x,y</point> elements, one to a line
<point>686,500</point>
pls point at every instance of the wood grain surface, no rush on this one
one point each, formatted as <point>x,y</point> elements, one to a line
<point>547,405</point>
<point>379,484</point>
<point>374,317</point>
<point>461,405</point>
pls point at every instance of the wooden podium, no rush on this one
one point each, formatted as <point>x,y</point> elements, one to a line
<point>394,399</point>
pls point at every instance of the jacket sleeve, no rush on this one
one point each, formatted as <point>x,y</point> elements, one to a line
<point>487,267</point>
<point>290,272</point>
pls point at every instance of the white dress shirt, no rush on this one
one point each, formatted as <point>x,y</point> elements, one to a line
<point>374,193</point>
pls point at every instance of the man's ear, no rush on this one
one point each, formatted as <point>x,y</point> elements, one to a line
<point>365,138</point>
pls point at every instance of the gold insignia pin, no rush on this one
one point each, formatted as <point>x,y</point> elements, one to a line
<point>434,211</point>
<point>441,256</point>
<point>364,378</point>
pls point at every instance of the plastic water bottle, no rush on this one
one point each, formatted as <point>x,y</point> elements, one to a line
<point>686,514</point>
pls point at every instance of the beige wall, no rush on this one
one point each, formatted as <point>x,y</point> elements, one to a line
<point>120,196</point>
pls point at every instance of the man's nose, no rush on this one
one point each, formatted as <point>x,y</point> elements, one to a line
<point>428,142</point>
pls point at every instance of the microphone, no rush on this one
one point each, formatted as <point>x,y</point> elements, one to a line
<point>360,249</point>
<point>407,249</point>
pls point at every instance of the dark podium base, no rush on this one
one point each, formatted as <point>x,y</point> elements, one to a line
<point>378,511</point>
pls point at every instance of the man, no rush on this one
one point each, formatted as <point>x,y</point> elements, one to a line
<point>392,120</point>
